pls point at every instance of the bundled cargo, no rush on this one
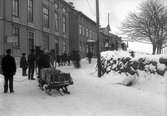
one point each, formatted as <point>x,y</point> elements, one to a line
<point>51,78</point>
<point>163,60</point>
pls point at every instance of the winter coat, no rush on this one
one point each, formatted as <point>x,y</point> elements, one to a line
<point>89,55</point>
<point>8,65</point>
<point>44,61</point>
<point>58,58</point>
<point>31,60</point>
<point>23,62</point>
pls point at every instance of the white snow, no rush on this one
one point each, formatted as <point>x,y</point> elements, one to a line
<point>90,96</point>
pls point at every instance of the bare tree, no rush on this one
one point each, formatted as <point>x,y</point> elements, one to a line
<point>149,24</point>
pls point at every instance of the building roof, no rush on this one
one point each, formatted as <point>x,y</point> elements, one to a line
<point>70,4</point>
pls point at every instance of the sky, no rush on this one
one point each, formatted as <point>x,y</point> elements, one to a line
<point>118,10</point>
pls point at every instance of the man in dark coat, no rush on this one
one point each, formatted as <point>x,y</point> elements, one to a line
<point>89,55</point>
<point>8,69</point>
<point>58,59</point>
<point>23,64</point>
<point>31,65</point>
<point>44,60</point>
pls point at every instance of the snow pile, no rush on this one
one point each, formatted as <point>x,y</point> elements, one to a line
<point>131,68</point>
<point>90,96</point>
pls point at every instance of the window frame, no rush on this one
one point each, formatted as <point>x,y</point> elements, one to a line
<point>30,10</point>
<point>45,16</point>
<point>16,33</point>
<point>31,38</point>
<point>15,8</point>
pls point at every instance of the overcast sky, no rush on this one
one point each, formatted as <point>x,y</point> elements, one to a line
<point>118,10</point>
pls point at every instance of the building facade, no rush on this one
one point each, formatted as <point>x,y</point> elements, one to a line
<point>28,24</point>
<point>109,41</point>
<point>83,33</point>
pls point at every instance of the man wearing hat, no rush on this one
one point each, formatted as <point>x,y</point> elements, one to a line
<point>23,64</point>
<point>8,69</point>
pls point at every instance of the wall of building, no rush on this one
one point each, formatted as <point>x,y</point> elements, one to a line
<point>56,39</point>
<point>74,31</point>
<point>84,40</point>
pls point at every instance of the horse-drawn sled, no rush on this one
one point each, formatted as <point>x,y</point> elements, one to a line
<point>51,78</point>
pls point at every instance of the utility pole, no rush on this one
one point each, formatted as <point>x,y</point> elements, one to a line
<point>98,42</point>
<point>4,27</point>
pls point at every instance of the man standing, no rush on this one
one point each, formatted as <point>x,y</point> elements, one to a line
<point>31,65</point>
<point>89,55</point>
<point>8,69</point>
<point>23,64</point>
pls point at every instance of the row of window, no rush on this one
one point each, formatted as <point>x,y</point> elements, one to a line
<point>31,38</point>
<point>45,14</point>
<point>86,32</point>
<point>16,35</point>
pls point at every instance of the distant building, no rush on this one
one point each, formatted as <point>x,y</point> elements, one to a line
<point>83,33</point>
<point>27,24</point>
<point>109,41</point>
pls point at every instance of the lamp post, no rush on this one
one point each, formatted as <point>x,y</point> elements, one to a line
<point>98,42</point>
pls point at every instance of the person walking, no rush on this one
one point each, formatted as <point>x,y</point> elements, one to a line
<point>58,59</point>
<point>89,55</point>
<point>8,69</point>
<point>31,65</point>
<point>23,64</point>
<point>68,59</point>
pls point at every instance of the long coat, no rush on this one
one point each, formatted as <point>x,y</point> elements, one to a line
<point>31,60</point>
<point>23,62</point>
<point>44,61</point>
<point>8,65</point>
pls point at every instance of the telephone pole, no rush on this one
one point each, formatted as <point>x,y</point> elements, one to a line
<point>98,42</point>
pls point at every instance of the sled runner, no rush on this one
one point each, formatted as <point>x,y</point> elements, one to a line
<point>55,79</point>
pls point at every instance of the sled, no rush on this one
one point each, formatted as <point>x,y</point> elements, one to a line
<point>54,79</point>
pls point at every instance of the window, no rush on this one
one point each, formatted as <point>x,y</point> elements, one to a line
<point>15,8</point>
<point>64,24</point>
<point>30,10</point>
<point>56,21</point>
<point>80,29</point>
<point>64,46</point>
<point>83,29</point>
<point>64,10</point>
<point>90,34</point>
<point>16,35</point>
<point>31,40</point>
<point>46,17</point>
<point>46,41</point>
<point>87,33</point>
<point>56,5</point>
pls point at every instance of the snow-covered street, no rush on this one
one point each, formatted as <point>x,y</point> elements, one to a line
<point>90,96</point>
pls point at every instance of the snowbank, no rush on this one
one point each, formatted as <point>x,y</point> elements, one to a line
<point>143,71</point>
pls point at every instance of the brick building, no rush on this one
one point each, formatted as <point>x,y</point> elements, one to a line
<point>27,24</point>
<point>83,33</point>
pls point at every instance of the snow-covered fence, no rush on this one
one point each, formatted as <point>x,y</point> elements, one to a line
<point>122,62</point>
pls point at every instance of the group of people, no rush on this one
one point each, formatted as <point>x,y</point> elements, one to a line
<point>36,60</point>
<point>8,66</point>
<point>63,59</point>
